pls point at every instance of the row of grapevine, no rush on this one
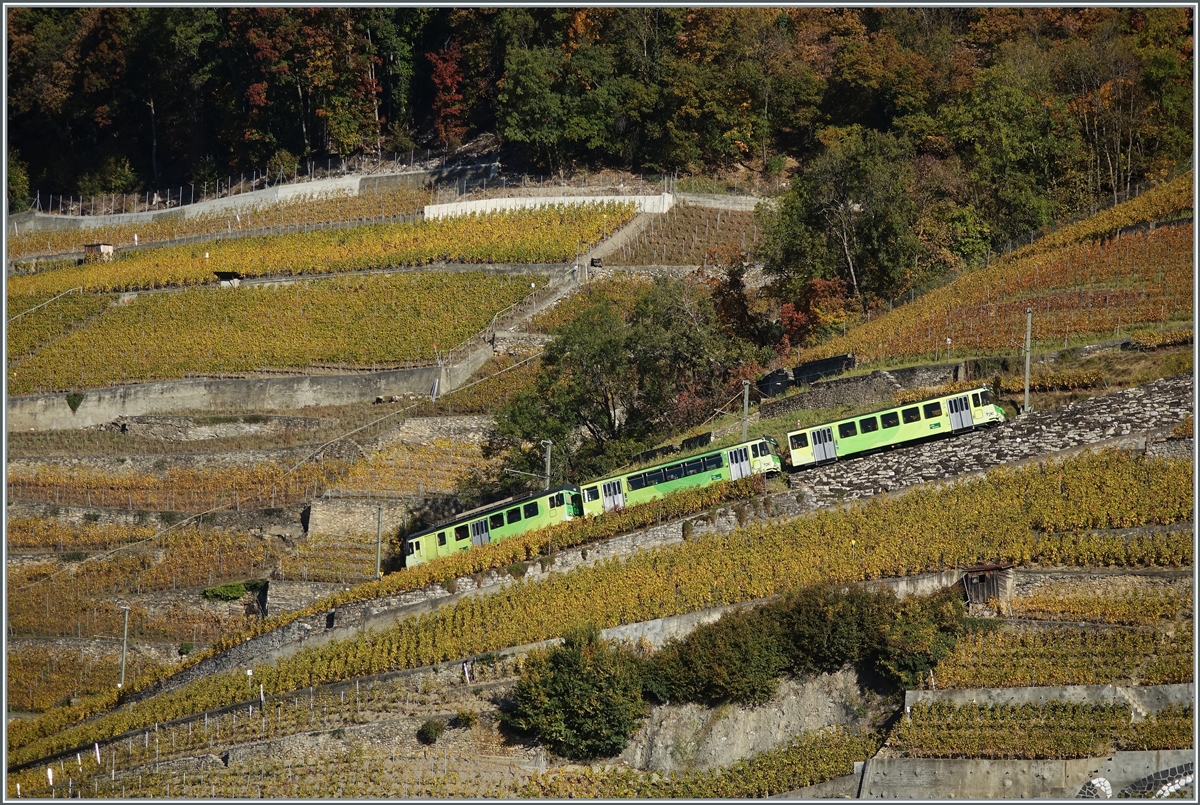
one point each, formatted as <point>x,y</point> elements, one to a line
<point>1173,199</point>
<point>500,379</point>
<point>542,235</point>
<point>1154,339</point>
<point>40,677</point>
<point>1132,608</point>
<point>1068,380</point>
<point>267,484</point>
<point>302,211</point>
<point>1079,290</point>
<point>1067,656</point>
<point>55,316</point>
<point>1000,517</point>
<point>76,599</point>
<point>414,469</point>
<point>620,293</point>
<point>362,321</point>
<point>691,236</point>
<point>1055,729</point>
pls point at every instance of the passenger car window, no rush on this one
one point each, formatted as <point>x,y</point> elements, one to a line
<point>933,409</point>
<point>911,414</point>
<point>712,462</point>
<point>799,441</point>
<point>496,520</point>
<point>890,420</point>
<point>986,396</point>
<point>514,515</point>
<point>590,494</point>
<point>442,537</point>
<point>868,425</point>
<point>975,400</point>
<point>461,533</point>
<point>847,429</point>
<point>531,509</point>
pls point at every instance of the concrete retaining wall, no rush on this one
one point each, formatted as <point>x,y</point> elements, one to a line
<point>649,204</point>
<point>919,778</point>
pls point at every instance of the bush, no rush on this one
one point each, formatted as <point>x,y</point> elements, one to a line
<point>922,632</point>
<point>430,731</point>
<point>738,658</point>
<point>465,719</point>
<point>582,699</point>
<point>828,626</point>
<point>185,649</point>
<point>282,162</point>
<point>225,592</point>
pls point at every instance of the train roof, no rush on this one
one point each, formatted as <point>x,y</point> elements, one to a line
<point>878,411</point>
<point>488,508</point>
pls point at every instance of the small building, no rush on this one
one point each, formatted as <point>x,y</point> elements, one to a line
<point>984,583</point>
<point>97,251</point>
<point>812,371</point>
<point>229,279</point>
<point>774,384</point>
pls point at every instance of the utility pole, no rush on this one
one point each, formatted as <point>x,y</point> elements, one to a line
<point>124,646</point>
<point>379,545</point>
<point>745,408</point>
<point>1028,333</point>
<point>546,443</point>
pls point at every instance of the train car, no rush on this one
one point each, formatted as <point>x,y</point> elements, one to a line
<point>901,424</point>
<point>757,457</point>
<point>494,522</point>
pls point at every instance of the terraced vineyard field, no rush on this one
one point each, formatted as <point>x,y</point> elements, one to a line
<point>1006,516</point>
<point>1082,289</point>
<point>75,595</point>
<point>1029,731</point>
<point>404,469</point>
<point>327,208</point>
<point>1064,655</point>
<point>37,319</point>
<point>40,677</point>
<point>268,484</point>
<point>362,321</point>
<point>691,236</point>
<point>542,235</point>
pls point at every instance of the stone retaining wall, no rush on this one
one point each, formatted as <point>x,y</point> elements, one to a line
<point>1146,698</point>
<point>648,204</point>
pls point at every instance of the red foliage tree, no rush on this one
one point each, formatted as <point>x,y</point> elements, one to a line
<point>447,102</point>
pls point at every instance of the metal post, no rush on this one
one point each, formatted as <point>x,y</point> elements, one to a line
<point>1028,333</point>
<point>379,545</point>
<point>124,647</point>
<point>745,408</point>
<point>546,443</point>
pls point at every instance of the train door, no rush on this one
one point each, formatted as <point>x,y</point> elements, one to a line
<point>613,497</point>
<point>480,533</point>
<point>739,462</point>
<point>823,447</point>
<point>960,413</point>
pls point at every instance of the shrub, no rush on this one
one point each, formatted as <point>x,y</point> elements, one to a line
<point>185,649</point>
<point>92,517</point>
<point>738,658</point>
<point>922,632</point>
<point>225,592</point>
<point>582,699</point>
<point>828,626</point>
<point>465,719</point>
<point>73,400</point>
<point>74,556</point>
<point>430,731</point>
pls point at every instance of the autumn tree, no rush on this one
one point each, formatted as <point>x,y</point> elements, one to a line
<point>447,102</point>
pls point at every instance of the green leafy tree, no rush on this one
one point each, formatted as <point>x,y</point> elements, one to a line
<point>829,626</point>
<point>920,632</point>
<point>582,699</point>
<point>18,183</point>
<point>849,216</point>
<point>530,102</point>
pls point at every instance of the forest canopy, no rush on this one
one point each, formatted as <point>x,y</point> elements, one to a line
<point>1006,116</point>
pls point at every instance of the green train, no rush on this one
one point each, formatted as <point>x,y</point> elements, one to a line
<point>902,424</point>
<point>756,457</point>
<point>493,522</point>
<point>508,518</point>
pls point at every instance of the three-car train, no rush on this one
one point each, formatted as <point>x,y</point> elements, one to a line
<point>912,423</point>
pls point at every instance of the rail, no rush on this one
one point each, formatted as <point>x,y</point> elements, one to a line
<point>43,304</point>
